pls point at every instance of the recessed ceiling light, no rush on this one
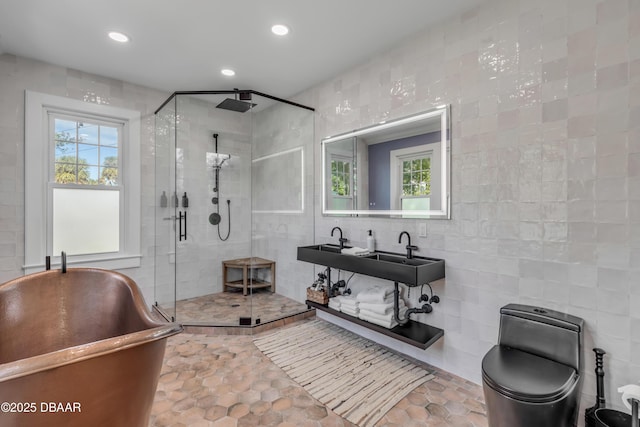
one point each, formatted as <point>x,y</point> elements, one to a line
<point>228,72</point>
<point>280,30</point>
<point>119,37</point>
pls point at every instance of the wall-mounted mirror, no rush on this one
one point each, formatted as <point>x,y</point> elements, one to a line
<point>398,168</point>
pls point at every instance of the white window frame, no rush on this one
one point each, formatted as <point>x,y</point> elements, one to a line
<point>37,182</point>
<point>396,157</point>
<point>337,157</point>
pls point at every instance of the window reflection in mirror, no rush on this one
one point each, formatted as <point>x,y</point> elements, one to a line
<point>399,168</point>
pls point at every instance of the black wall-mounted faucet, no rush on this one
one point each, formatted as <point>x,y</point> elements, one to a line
<point>342,240</point>
<point>410,247</point>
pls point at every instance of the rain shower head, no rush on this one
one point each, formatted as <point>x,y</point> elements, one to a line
<point>236,105</point>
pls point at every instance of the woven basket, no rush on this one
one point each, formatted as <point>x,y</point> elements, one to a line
<point>319,297</point>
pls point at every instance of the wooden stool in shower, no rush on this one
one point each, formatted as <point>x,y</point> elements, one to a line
<point>246,264</point>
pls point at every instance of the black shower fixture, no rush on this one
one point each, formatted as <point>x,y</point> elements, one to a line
<point>240,105</point>
<point>215,218</point>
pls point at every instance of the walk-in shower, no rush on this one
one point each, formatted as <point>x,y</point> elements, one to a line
<point>239,155</point>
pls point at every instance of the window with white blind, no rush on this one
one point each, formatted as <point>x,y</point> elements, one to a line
<point>82,171</point>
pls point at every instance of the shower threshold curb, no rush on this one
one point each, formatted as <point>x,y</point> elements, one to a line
<point>203,328</point>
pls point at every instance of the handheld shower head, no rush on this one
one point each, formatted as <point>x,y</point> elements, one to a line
<point>217,159</point>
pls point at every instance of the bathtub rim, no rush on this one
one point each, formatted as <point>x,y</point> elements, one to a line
<point>157,330</point>
<point>67,356</point>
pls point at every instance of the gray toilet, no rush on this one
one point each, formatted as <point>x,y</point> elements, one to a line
<point>532,377</point>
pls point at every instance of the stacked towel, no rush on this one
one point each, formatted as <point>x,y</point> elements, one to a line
<point>383,316</point>
<point>385,320</point>
<point>334,303</point>
<point>355,251</point>
<point>349,305</point>
<point>351,311</point>
<point>389,323</point>
<point>380,308</point>
<point>376,294</point>
<point>348,301</point>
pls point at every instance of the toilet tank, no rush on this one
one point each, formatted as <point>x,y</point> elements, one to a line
<point>543,332</point>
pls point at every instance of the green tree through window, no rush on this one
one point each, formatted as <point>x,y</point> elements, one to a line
<point>109,175</point>
<point>68,171</point>
<point>416,177</point>
<point>340,178</point>
<point>85,153</point>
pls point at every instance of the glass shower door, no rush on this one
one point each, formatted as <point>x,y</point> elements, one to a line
<point>213,215</point>
<point>165,212</point>
<point>234,198</point>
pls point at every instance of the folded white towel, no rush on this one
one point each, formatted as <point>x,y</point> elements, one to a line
<point>389,324</point>
<point>355,251</point>
<point>384,308</point>
<point>348,300</point>
<point>376,294</point>
<point>349,311</point>
<point>334,303</point>
<point>366,315</point>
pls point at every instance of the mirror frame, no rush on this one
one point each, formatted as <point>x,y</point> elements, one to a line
<point>445,172</point>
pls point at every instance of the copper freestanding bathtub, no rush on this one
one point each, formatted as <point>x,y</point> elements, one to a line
<point>78,349</point>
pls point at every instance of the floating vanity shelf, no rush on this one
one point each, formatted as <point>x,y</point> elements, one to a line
<point>384,265</point>
<point>414,333</point>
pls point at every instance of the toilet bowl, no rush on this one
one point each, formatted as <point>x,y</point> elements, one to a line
<point>531,378</point>
<point>612,418</point>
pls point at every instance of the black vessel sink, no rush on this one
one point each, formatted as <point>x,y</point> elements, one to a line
<point>400,259</point>
<point>384,265</point>
<point>328,247</point>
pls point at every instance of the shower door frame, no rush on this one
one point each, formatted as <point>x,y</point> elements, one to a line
<point>173,178</point>
<point>230,92</point>
<point>160,231</point>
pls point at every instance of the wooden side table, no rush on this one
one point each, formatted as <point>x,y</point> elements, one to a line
<point>245,264</point>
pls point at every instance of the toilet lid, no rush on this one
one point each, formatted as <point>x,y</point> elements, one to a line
<point>525,376</point>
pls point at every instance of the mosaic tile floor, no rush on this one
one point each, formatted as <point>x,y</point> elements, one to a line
<point>225,381</point>
<point>226,308</point>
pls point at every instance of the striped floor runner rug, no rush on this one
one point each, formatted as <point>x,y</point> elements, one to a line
<point>354,377</point>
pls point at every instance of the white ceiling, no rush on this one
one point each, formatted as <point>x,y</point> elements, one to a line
<point>181,45</point>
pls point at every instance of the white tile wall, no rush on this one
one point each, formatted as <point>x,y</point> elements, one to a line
<point>276,236</point>
<point>545,98</point>
<point>199,265</point>
<point>19,74</point>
